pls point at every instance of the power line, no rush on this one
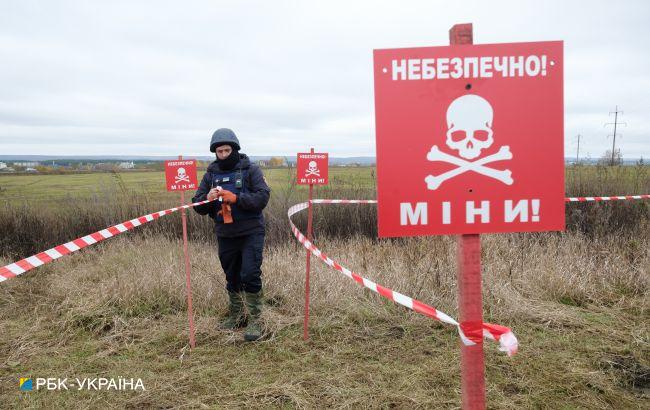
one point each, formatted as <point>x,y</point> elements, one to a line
<point>615,123</point>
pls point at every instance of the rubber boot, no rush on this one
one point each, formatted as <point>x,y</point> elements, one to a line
<point>236,317</point>
<point>254,303</point>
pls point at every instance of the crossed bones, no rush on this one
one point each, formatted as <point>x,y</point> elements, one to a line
<point>312,172</point>
<point>180,178</point>
<point>505,176</point>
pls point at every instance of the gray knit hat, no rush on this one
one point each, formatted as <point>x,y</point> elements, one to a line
<point>224,136</point>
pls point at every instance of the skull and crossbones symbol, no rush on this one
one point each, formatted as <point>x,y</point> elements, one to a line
<point>469,131</point>
<point>313,169</point>
<point>182,175</point>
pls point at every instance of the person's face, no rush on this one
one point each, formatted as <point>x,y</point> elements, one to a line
<point>223,151</point>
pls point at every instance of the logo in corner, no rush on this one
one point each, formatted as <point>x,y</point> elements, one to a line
<point>26,384</point>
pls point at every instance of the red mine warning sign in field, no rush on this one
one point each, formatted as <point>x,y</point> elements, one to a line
<point>180,175</point>
<point>312,168</point>
<point>470,139</point>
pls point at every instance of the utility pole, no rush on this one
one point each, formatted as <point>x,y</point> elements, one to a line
<point>578,151</point>
<point>615,123</point>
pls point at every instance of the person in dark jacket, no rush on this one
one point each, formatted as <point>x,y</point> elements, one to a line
<point>239,184</point>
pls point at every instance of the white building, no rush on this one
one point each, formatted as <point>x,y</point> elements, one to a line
<point>127,165</point>
<point>3,165</point>
<point>25,164</point>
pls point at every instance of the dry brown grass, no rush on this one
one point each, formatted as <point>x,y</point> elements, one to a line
<point>578,302</point>
<point>579,308</point>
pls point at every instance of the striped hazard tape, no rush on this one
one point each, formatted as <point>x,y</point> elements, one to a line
<point>571,199</point>
<point>470,333</point>
<point>605,198</point>
<point>17,268</point>
<point>14,269</point>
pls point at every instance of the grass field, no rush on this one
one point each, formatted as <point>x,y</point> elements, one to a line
<point>580,180</point>
<point>582,322</point>
<point>29,187</point>
<point>578,302</point>
<point>38,187</point>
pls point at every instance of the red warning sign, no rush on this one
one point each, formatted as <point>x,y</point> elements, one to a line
<point>181,175</point>
<point>470,139</point>
<point>312,168</point>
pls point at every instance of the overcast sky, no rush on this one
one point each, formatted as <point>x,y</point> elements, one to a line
<point>156,78</point>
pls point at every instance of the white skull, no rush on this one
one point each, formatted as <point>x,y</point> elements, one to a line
<point>469,123</point>
<point>181,173</point>
<point>313,166</point>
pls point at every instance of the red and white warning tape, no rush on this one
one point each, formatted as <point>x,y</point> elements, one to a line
<point>606,198</point>
<point>343,201</point>
<point>470,334</point>
<point>572,199</point>
<point>14,269</point>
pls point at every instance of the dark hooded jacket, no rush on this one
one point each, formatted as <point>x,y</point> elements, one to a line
<point>247,182</point>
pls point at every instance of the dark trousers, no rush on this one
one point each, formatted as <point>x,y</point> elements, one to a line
<point>241,260</point>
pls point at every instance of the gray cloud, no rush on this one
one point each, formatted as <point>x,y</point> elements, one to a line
<point>82,77</point>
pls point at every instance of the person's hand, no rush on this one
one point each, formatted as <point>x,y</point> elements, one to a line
<point>214,193</point>
<point>228,197</point>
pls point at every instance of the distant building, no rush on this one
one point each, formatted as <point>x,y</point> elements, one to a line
<point>25,164</point>
<point>7,169</point>
<point>102,166</point>
<point>263,163</point>
<point>3,165</point>
<point>127,165</point>
<point>31,170</point>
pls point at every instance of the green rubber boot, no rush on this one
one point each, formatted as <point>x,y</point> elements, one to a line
<point>236,317</point>
<point>254,303</point>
